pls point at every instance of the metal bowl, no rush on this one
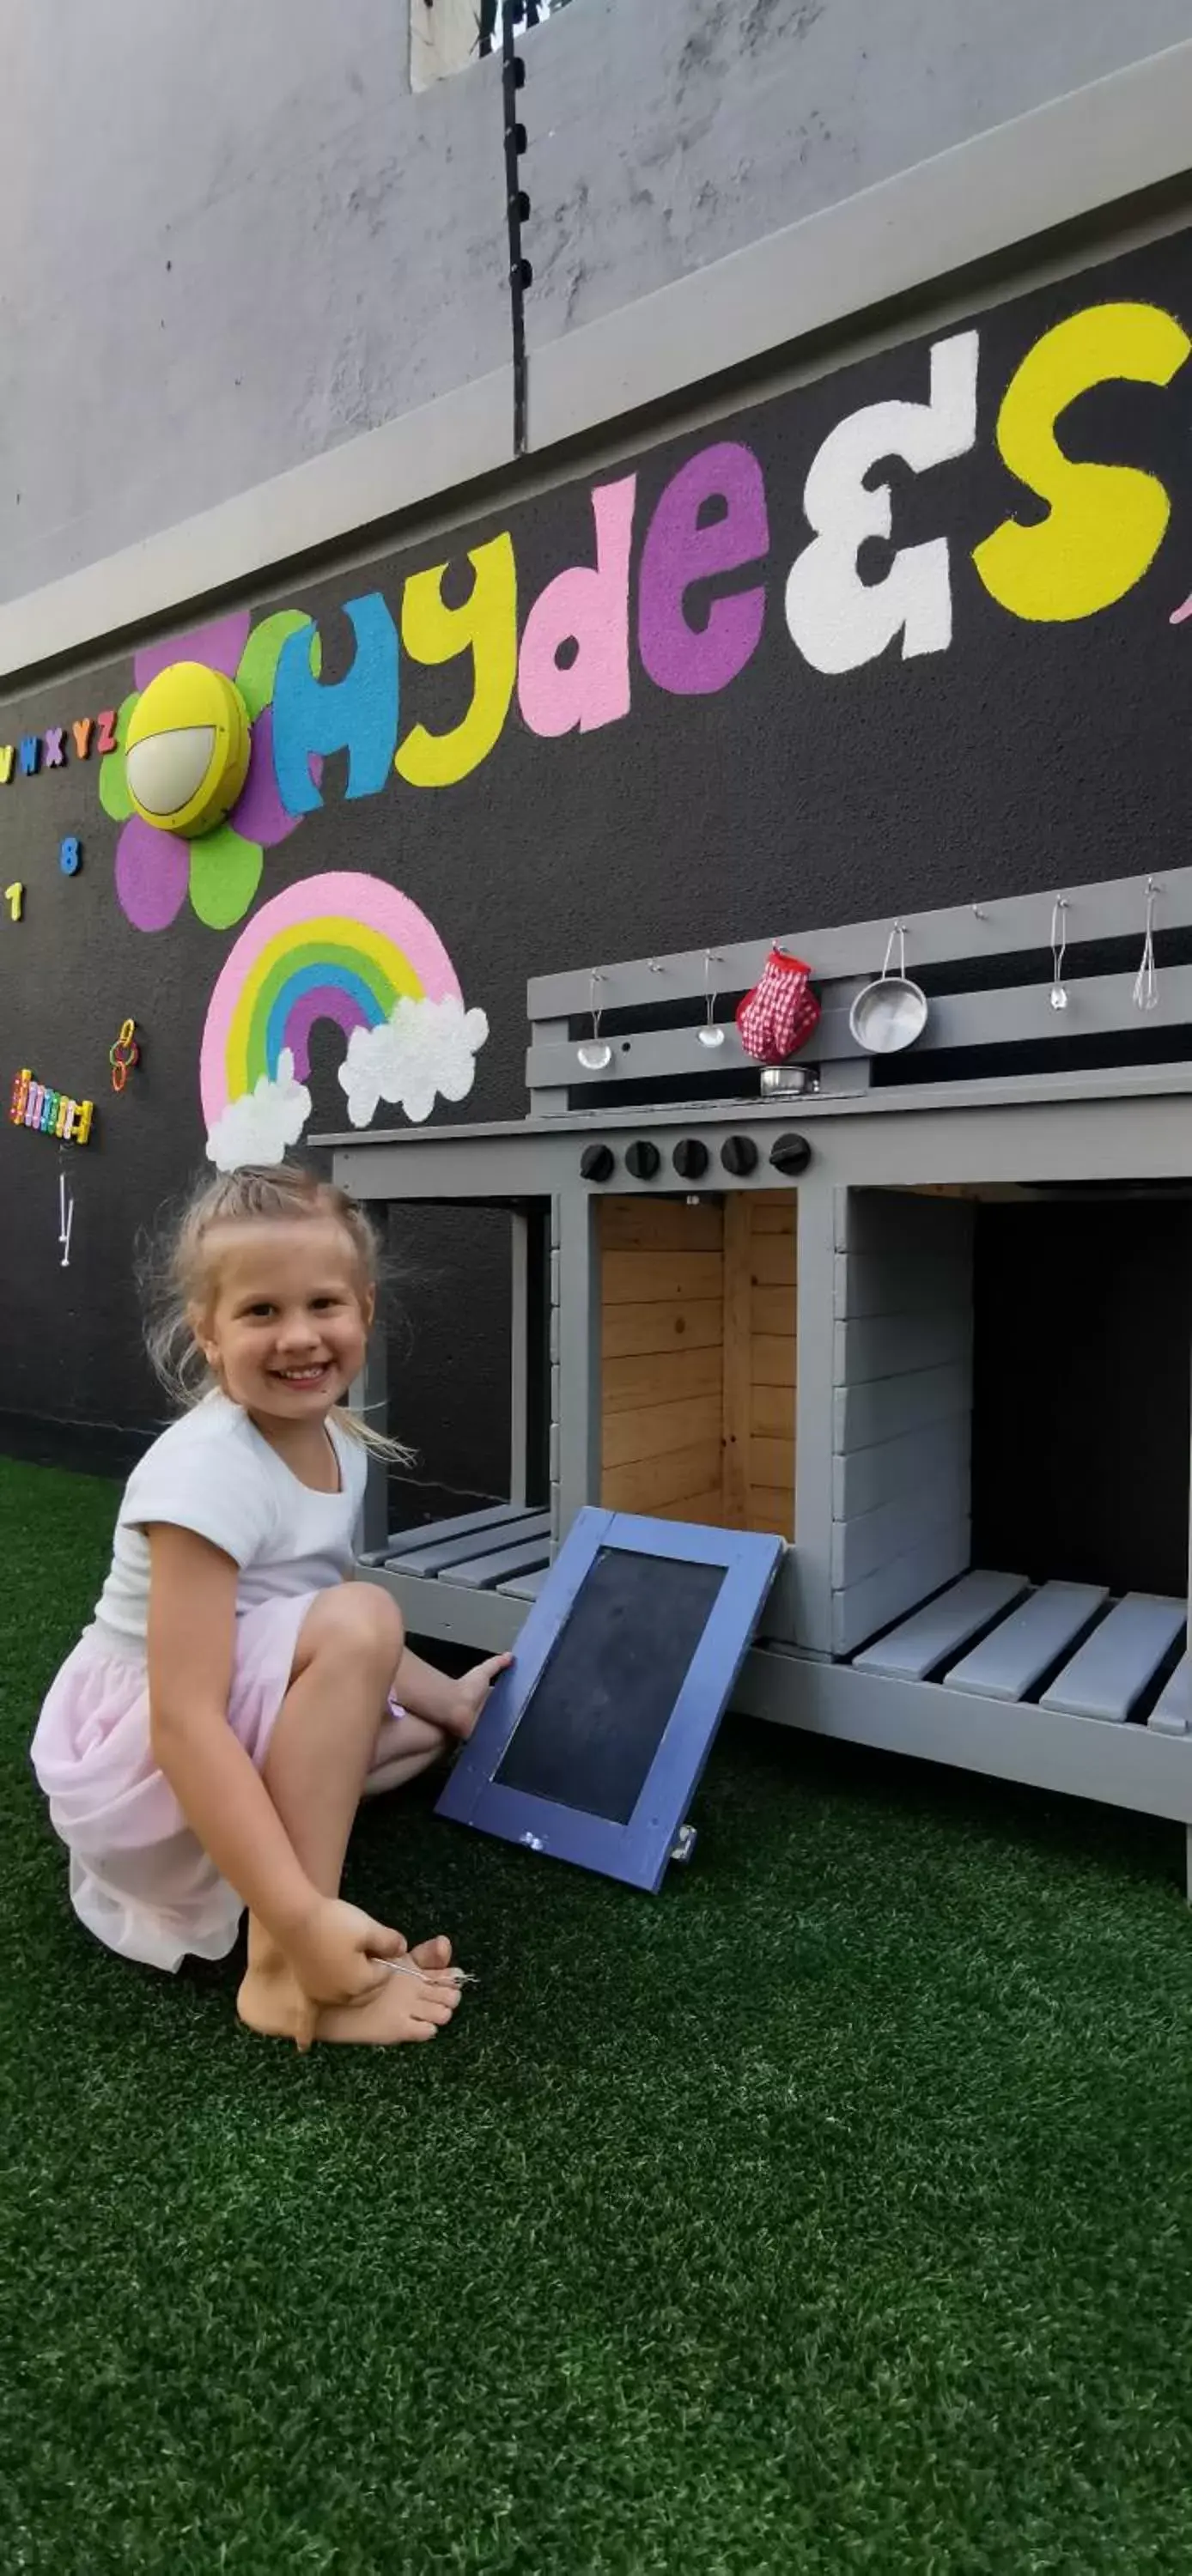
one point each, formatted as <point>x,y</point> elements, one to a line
<point>888,1015</point>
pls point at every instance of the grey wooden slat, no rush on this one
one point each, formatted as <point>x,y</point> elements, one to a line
<point>659,1054</point>
<point>1098,1006</point>
<point>873,1346</point>
<point>863,1608</point>
<point>891,1470</point>
<point>1003,928</point>
<point>1124,1766</point>
<point>484,1573</point>
<point>902,1283</point>
<point>1111,1670</point>
<point>867,1541</point>
<point>1172,1712</point>
<point>935,1631</point>
<point>903,1221</point>
<point>1008,1662</point>
<point>525,1587</point>
<point>456,1551</point>
<point>885,1408</point>
<point>459,1526</point>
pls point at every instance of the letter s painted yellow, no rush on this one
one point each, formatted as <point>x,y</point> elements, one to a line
<point>1105,523</point>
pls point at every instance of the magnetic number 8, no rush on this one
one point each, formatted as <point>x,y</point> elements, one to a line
<point>68,857</point>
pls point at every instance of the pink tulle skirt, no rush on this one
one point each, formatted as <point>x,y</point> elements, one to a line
<point>139,1878</point>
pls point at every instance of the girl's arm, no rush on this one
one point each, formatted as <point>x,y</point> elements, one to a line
<point>192,1629</point>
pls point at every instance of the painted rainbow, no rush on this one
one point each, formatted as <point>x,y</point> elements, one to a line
<point>342,947</point>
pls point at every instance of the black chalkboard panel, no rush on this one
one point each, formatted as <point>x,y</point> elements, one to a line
<point>598,1712</point>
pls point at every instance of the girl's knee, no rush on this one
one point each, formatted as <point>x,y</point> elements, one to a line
<point>358,1620</point>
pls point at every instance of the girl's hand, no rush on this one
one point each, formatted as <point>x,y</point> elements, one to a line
<point>471,1694</point>
<point>339,1954</point>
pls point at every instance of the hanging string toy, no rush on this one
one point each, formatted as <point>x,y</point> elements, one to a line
<point>65,1217</point>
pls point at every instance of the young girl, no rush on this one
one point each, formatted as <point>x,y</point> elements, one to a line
<point>205,1746</point>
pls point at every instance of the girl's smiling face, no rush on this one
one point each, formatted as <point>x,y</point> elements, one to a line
<point>285,1323</point>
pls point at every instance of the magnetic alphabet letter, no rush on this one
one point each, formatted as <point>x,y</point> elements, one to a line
<point>54,755</point>
<point>107,731</point>
<point>81,729</point>
<point>30,751</point>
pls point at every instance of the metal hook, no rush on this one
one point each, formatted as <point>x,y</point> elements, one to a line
<point>898,933</point>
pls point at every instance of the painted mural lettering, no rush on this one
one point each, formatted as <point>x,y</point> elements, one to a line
<point>683,547</point>
<point>357,714</point>
<point>585,612</point>
<point>837,620</point>
<point>486,627</point>
<point>1103,526</point>
<point>1088,534</point>
<point>1105,523</point>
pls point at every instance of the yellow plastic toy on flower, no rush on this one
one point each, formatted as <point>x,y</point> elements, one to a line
<point>187,749</point>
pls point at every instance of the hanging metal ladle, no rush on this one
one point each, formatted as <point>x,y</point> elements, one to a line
<point>1059,943</point>
<point>709,1035</point>
<point>595,1053</point>
<point>1146,982</point>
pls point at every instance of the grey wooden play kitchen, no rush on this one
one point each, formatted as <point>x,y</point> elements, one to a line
<point>745,1296</point>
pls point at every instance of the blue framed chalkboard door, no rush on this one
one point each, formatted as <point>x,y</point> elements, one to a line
<point>592,1744</point>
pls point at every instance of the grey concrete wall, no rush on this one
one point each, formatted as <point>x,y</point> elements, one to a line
<point>234,238</point>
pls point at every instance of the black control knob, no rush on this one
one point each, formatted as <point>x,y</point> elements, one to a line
<point>597,1163</point>
<point>690,1158</point>
<point>739,1155</point>
<point>790,1154</point>
<point>643,1159</point>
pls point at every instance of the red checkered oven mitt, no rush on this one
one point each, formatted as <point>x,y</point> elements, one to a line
<point>778,1016</point>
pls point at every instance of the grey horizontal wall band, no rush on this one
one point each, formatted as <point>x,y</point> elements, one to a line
<point>1112,139</point>
<point>1107,143</point>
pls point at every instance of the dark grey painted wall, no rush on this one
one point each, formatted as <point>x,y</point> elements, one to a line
<point>1026,755</point>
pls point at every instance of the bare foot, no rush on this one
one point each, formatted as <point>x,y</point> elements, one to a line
<point>272,2002</point>
<point>471,1693</point>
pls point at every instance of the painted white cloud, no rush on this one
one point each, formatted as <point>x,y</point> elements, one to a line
<point>424,1051</point>
<point>264,1123</point>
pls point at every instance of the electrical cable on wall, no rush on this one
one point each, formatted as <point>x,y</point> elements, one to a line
<point>517,206</point>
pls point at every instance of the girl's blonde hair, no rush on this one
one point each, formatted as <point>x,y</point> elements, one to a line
<point>175,1274</point>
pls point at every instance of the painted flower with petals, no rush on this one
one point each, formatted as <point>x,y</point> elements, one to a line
<point>155,870</point>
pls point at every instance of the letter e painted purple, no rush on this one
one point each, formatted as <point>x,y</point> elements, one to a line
<point>694,661</point>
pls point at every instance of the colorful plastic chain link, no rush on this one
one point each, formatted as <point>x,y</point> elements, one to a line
<point>124,1054</point>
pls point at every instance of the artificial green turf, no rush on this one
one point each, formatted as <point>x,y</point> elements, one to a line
<point>831,2210</point>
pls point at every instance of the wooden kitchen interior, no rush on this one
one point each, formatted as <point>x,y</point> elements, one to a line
<point>698,1358</point>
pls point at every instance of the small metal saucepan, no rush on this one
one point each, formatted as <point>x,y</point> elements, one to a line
<point>891,1012</point>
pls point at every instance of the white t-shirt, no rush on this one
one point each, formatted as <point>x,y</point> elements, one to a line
<point>213,1473</point>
